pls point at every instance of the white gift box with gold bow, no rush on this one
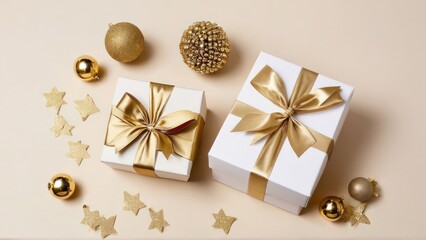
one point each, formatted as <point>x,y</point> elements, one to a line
<point>297,132</point>
<point>122,153</point>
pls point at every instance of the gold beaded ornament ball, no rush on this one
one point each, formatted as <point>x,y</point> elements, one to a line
<point>124,42</point>
<point>205,47</point>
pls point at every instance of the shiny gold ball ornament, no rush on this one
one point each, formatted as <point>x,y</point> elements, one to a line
<point>362,189</point>
<point>205,47</point>
<point>124,42</point>
<point>86,68</point>
<point>331,208</point>
<point>61,186</point>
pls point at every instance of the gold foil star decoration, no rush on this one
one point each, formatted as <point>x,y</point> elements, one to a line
<point>86,107</point>
<point>355,215</point>
<point>157,220</point>
<point>92,219</point>
<point>61,127</point>
<point>78,151</point>
<point>107,226</point>
<point>132,203</point>
<point>55,99</point>
<point>222,221</point>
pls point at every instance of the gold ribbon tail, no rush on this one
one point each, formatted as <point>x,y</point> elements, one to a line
<point>258,179</point>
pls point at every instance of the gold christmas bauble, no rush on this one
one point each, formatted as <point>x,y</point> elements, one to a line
<point>124,42</point>
<point>331,208</point>
<point>205,47</point>
<point>86,68</point>
<point>361,189</point>
<point>61,186</point>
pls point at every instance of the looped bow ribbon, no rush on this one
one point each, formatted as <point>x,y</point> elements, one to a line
<point>175,133</point>
<point>280,125</point>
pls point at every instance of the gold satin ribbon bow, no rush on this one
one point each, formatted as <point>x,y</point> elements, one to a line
<point>177,132</point>
<point>278,126</point>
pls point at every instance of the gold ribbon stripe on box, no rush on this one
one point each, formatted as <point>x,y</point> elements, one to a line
<point>175,133</point>
<point>278,126</point>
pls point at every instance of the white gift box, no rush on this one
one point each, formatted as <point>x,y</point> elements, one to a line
<point>176,167</point>
<point>293,179</point>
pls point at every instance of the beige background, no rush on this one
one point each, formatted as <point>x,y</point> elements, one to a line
<point>376,46</point>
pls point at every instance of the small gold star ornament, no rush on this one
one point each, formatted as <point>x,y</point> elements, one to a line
<point>86,107</point>
<point>92,219</point>
<point>355,214</point>
<point>157,220</point>
<point>78,151</point>
<point>107,226</point>
<point>132,203</point>
<point>61,127</point>
<point>222,221</point>
<point>55,99</point>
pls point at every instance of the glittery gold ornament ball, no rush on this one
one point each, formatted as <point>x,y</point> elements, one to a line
<point>205,47</point>
<point>124,42</point>
<point>61,186</point>
<point>331,208</point>
<point>86,68</point>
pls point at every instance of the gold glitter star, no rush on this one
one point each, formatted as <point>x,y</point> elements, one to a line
<point>55,99</point>
<point>223,222</point>
<point>78,151</point>
<point>61,127</point>
<point>355,215</point>
<point>132,203</point>
<point>157,220</point>
<point>374,183</point>
<point>86,107</point>
<point>107,226</point>
<point>92,219</point>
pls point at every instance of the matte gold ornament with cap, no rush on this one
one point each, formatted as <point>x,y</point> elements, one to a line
<point>61,186</point>
<point>86,67</point>
<point>362,189</point>
<point>332,208</point>
<point>205,47</point>
<point>124,42</point>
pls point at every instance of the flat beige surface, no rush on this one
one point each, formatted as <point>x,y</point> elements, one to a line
<point>378,47</point>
